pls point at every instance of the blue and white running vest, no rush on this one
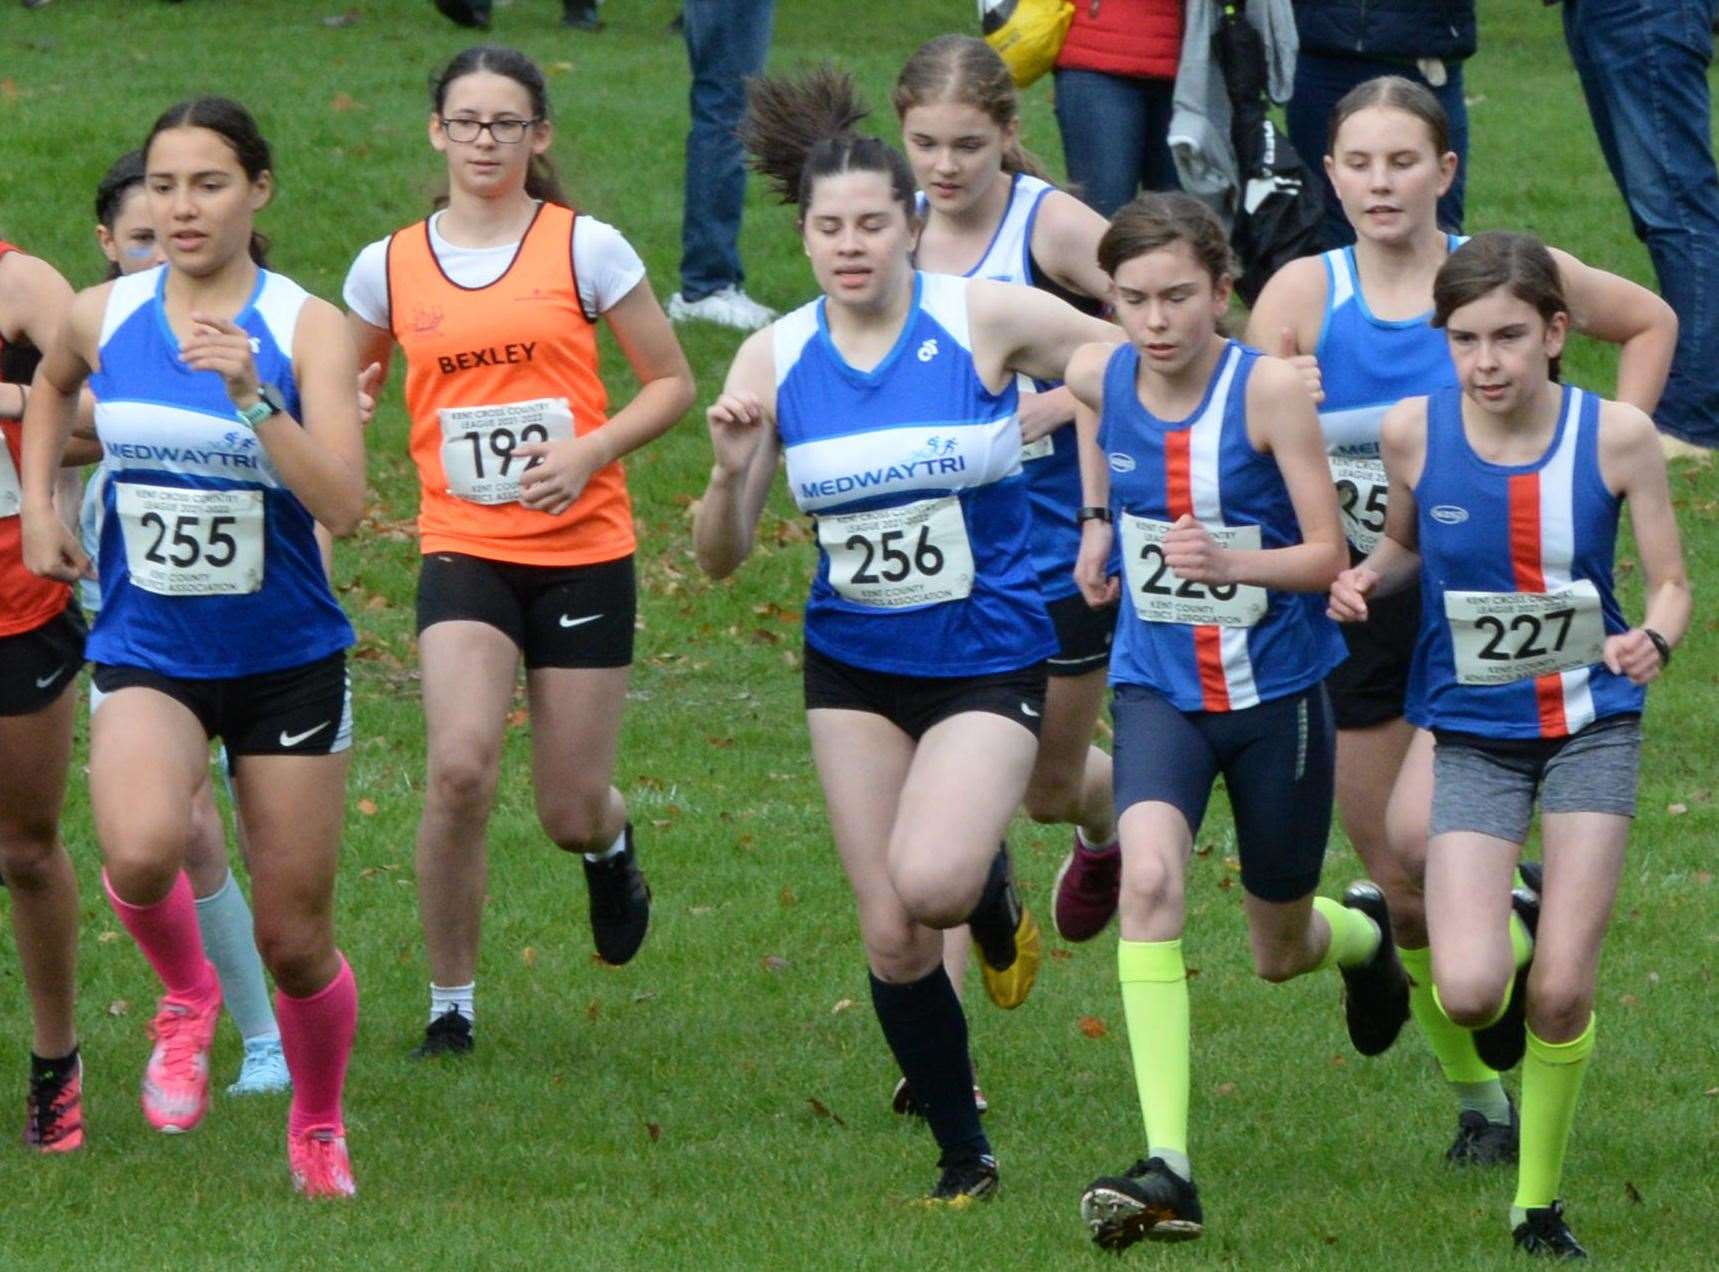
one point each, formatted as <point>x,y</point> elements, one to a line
<point>1205,647</point>
<point>913,473</point>
<point>1516,583</point>
<point>1052,463</point>
<point>1368,365</point>
<point>209,566</point>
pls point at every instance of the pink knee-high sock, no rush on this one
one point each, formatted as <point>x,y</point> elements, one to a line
<point>168,935</point>
<point>316,1035</point>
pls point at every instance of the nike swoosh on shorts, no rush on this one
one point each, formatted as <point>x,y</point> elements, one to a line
<point>569,621</point>
<point>52,676</point>
<point>293,739</point>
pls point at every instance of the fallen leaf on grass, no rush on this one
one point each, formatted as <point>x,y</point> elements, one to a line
<point>721,744</point>
<point>1630,1000</point>
<point>701,909</point>
<point>1225,1088</point>
<point>1712,1091</point>
<point>518,718</point>
<point>105,937</point>
<point>367,807</point>
<point>1339,1061</point>
<point>1632,1193</point>
<point>1190,972</point>
<point>341,102</point>
<point>593,1009</point>
<point>118,1007</point>
<point>842,1004</point>
<point>1676,810</point>
<point>824,1110</point>
<point>338,20</point>
<point>773,962</point>
<point>644,995</point>
<point>1060,955</point>
<point>1704,877</point>
<point>787,897</point>
<point>528,956</point>
<point>654,1130</point>
<point>8,90</point>
<point>1093,1027</point>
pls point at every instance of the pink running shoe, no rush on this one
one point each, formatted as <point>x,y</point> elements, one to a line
<point>320,1166</point>
<point>1086,889</point>
<point>54,1121</point>
<point>176,1082</point>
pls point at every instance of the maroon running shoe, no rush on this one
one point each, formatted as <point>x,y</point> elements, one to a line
<point>1086,889</point>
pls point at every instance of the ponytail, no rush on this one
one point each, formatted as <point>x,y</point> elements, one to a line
<point>800,128</point>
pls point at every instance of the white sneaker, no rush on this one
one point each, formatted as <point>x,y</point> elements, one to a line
<point>729,307</point>
<point>264,1070</point>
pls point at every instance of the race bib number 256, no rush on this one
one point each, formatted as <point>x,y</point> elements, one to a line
<point>892,558</point>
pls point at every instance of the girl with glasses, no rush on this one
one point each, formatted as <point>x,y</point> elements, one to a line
<point>525,523</point>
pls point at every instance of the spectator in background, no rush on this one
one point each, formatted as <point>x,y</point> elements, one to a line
<point>581,15</point>
<point>1643,69</point>
<point>1347,42</point>
<point>726,43</point>
<point>1115,87</point>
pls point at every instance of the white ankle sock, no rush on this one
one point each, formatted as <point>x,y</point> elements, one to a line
<point>446,998</point>
<point>614,850</point>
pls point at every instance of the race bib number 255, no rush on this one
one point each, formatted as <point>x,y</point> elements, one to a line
<point>185,542</point>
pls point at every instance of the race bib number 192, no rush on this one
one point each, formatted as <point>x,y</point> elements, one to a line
<point>1160,597</point>
<point>478,444</point>
<point>1500,637</point>
<point>893,558</point>
<point>185,542</point>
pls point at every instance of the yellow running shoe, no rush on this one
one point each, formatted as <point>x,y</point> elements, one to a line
<point>1010,984</point>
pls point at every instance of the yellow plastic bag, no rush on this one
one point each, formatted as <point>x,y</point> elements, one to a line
<point>1027,34</point>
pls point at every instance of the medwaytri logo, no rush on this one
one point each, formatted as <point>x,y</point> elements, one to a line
<point>937,456</point>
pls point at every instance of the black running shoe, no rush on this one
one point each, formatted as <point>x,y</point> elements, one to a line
<point>1375,993</point>
<point>581,15</point>
<point>1502,1043</point>
<point>620,904</point>
<point>1482,1142</point>
<point>1532,874</point>
<point>964,1182</point>
<point>449,1034</point>
<point>465,13</point>
<point>1545,1233</point>
<point>1150,1201</point>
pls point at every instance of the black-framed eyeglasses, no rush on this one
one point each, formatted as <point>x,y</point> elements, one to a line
<point>504,132</point>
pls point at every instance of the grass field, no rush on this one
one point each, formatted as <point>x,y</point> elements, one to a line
<point>722,1102</point>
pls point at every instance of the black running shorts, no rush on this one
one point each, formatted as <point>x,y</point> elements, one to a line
<point>300,711</point>
<point>37,665</point>
<point>1276,760</point>
<point>1083,636</point>
<point>559,616</point>
<point>915,703</point>
<point>1372,684</point>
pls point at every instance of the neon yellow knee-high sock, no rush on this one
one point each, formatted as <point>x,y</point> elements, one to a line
<point>1155,1005</point>
<point>1551,1081</point>
<point>1354,936</point>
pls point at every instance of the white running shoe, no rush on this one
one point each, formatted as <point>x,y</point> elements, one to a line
<point>264,1071</point>
<point>729,307</point>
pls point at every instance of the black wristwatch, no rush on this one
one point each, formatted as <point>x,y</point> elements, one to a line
<point>269,402</point>
<point>1660,644</point>
<point>1092,514</point>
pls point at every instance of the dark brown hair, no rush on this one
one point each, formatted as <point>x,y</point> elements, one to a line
<point>1519,263</point>
<point>963,68</point>
<point>117,182</point>
<point>1153,221</point>
<point>798,128</point>
<point>541,181</point>
<point>234,125</point>
<point>1392,92</point>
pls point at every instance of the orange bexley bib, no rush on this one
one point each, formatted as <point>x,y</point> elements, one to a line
<point>488,369</point>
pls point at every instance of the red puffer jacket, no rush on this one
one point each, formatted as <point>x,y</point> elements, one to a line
<point>1142,38</point>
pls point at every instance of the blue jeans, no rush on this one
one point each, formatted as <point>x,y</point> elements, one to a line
<point>1321,80</point>
<point>726,41</point>
<point>1643,66</point>
<point>1115,135</point>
